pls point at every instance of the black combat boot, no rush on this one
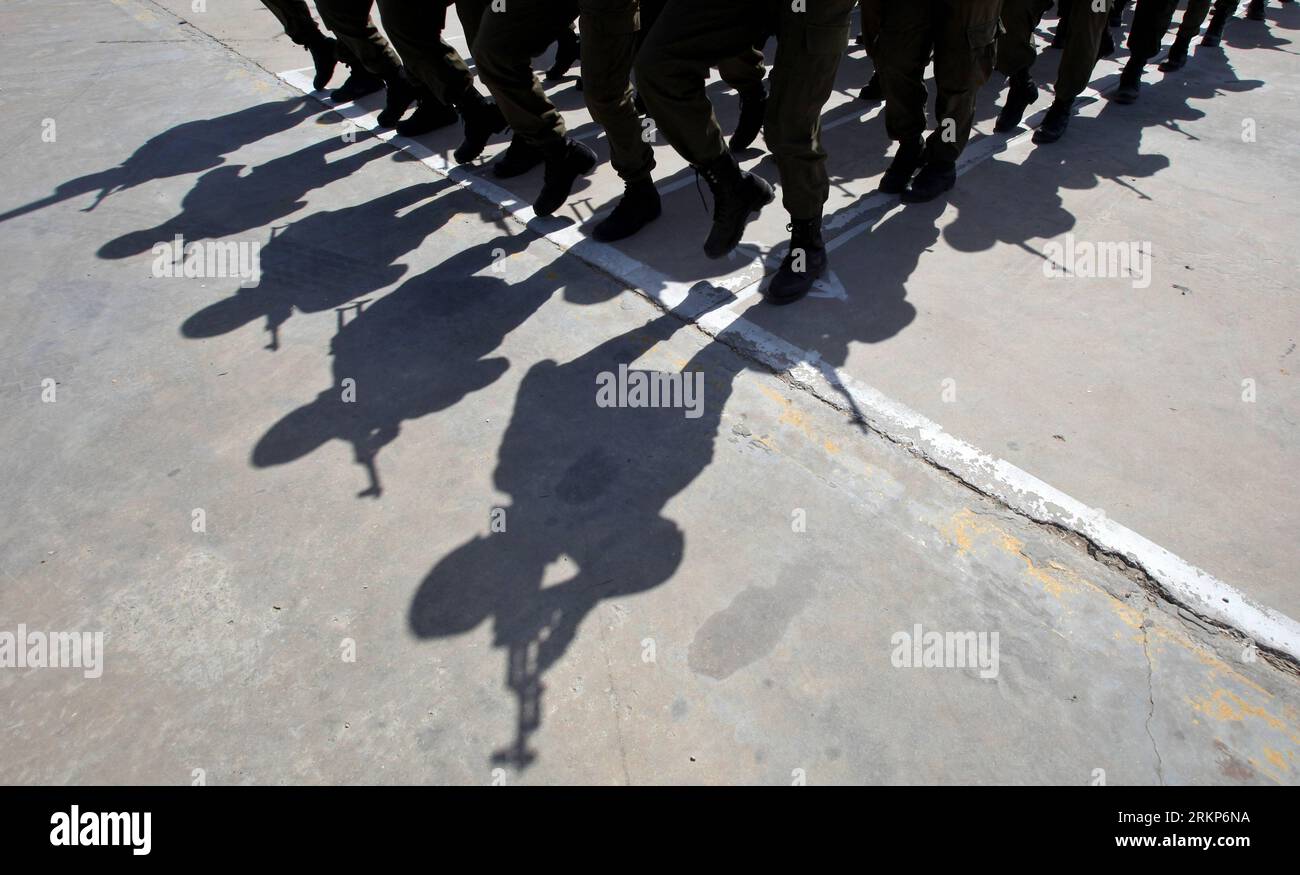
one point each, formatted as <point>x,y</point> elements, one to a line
<point>1022,92</point>
<point>802,266</point>
<point>360,82</point>
<point>566,54</point>
<point>752,109</point>
<point>872,91</point>
<point>638,207</point>
<point>520,157</point>
<point>430,115</point>
<point>401,94</point>
<point>935,178</point>
<point>1054,123</point>
<point>1214,33</point>
<point>737,196</point>
<point>907,160</point>
<point>324,57</point>
<point>1130,83</point>
<point>482,119</point>
<point>565,162</point>
<point>1177,57</point>
<point>1255,11</point>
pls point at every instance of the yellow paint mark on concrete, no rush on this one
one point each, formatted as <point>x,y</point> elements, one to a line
<point>1277,759</point>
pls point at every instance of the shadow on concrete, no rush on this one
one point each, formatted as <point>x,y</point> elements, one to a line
<point>192,147</point>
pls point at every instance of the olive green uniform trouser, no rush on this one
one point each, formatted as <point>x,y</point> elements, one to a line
<point>503,43</point>
<point>870,13</point>
<point>296,19</point>
<point>1195,13</point>
<point>691,36</point>
<point>350,22</point>
<point>1151,20</point>
<point>613,31</point>
<point>744,72</point>
<point>1083,37</point>
<point>415,27</point>
<point>962,34</point>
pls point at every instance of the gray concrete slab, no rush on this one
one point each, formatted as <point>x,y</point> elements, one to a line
<point>717,599</point>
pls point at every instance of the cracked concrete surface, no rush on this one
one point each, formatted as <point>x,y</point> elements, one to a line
<point>672,600</point>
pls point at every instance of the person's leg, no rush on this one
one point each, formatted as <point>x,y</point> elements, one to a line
<point>295,18</point>
<point>1016,56</point>
<point>870,11</point>
<point>504,45</point>
<point>416,32</point>
<point>1088,25</point>
<point>809,46</point>
<point>1193,17</point>
<point>744,73</point>
<point>609,43</point>
<point>351,23</point>
<point>1223,10</point>
<point>507,40</point>
<point>902,53</point>
<point>671,68</point>
<point>964,55</point>
<point>1151,19</point>
<point>299,26</point>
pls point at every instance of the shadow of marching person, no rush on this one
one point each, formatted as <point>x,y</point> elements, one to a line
<point>191,147</point>
<point>586,482</point>
<point>321,261</point>
<point>417,350</point>
<point>228,201</point>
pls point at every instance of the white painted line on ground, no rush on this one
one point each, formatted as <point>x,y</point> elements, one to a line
<point>1020,490</point>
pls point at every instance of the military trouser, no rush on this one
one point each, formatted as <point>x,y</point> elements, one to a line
<point>743,72</point>
<point>692,36</point>
<point>296,19</point>
<point>416,31</point>
<point>963,36</point>
<point>1195,13</point>
<point>610,36</point>
<point>503,44</point>
<point>1151,19</point>
<point>1082,41</point>
<point>871,11</point>
<point>350,22</point>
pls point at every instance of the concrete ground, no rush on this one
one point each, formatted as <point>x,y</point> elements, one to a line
<point>673,598</point>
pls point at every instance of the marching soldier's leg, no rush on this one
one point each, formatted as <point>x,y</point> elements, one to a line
<point>671,70</point>
<point>1151,20</point>
<point>1088,26</point>
<point>870,16</point>
<point>350,21</point>
<point>507,40</point>
<point>1016,56</point>
<point>745,73</point>
<point>300,27</point>
<point>902,52</point>
<point>1223,10</point>
<point>809,46</point>
<point>437,70</point>
<point>1193,17</point>
<point>609,45</point>
<point>964,54</point>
